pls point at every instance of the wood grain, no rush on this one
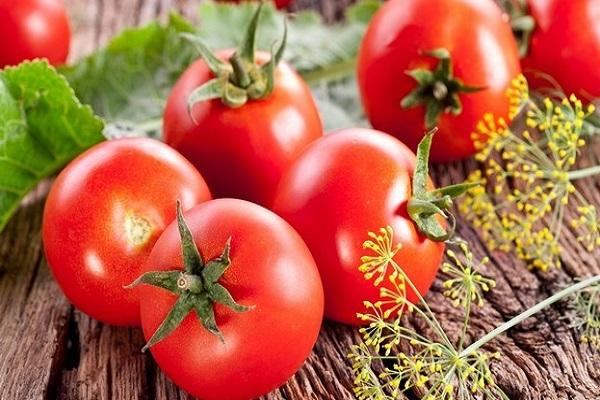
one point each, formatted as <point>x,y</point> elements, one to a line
<point>48,350</point>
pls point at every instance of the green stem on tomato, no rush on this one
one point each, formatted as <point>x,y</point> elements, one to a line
<point>526,314</point>
<point>584,173</point>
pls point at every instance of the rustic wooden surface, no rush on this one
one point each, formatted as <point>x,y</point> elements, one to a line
<point>49,350</point>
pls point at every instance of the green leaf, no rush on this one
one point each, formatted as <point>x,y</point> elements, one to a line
<point>339,104</point>
<point>128,82</point>
<point>42,127</point>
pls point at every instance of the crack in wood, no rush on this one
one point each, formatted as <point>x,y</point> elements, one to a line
<point>48,350</point>
<point>60,358</point>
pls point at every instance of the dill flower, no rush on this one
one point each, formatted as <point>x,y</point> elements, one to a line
<point>439,368</point>
<point>527,177</point>
<point>393,359</point>
<point>588,224</point>
<point>381,244</point>
<point>465,284</point>
<point>587,308</point>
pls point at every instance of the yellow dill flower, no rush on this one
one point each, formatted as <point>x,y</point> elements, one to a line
<point>518,96</point>
<point>477,205</point>
<point>587,308</point>
<point>489,135</point>
<point>465,285</point>
<point>393,359</point>
<point>438,368</point>
<point>528,178</point>
<point>382,245</point>
<point>588,223</point>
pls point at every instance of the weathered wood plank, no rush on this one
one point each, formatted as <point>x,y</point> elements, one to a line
<point>33,312</point>
<point>49,350</point>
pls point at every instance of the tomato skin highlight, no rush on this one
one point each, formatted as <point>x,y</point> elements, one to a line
<point>483,54</point>
<point>345,185</point>
<point>565,45</point>
<point>271,269</point>
<point>243,152</point>
<point>33,29</point>
<point>104,213</point>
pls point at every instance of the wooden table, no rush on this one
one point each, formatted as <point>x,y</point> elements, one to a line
<point>49,350</point>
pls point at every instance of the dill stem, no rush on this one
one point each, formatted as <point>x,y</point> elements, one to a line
<point>465,324</point>
<point>526,314</point>
<point>427,314</point>
<point>584,173</point>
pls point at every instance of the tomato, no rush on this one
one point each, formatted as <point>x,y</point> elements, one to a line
<point>565,46</point>
<point>345,185</point>
<point>33,29</point>
<point>242,150</point>
<point>103,215</point>
<point>407,36</point>
<point>271,275</point>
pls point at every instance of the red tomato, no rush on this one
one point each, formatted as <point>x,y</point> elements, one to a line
<point>345,185</point>
<point>243,152</point>
<point>271,270</point>
<point>33,29</point>
<point>104,214</point>
<point>565,45</point>
<point>483,54</point>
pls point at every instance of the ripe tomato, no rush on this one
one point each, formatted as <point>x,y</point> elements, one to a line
<point>243,148</point>
<point>283,3</point>
<point>565,45</point>
<point>103,215</point>
<point>483,60</point>
<point>243,152</point>
<point>345,185</point>
<point>269,270</point>
<point>33,29</point>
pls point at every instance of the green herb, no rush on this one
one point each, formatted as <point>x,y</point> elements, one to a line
<point>394,359</point>
<point>586,304</point>
<point>42,127</point>
<point>128,82</point>
<point>530,168</point>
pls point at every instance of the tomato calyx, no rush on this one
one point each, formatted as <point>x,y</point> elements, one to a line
<point>240,78</point>
<point>521,22</point>
<point>425,205</point>
<point>437,90</point>
<point>197,287</point>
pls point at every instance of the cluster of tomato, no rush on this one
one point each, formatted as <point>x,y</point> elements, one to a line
<point>231,293</point>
